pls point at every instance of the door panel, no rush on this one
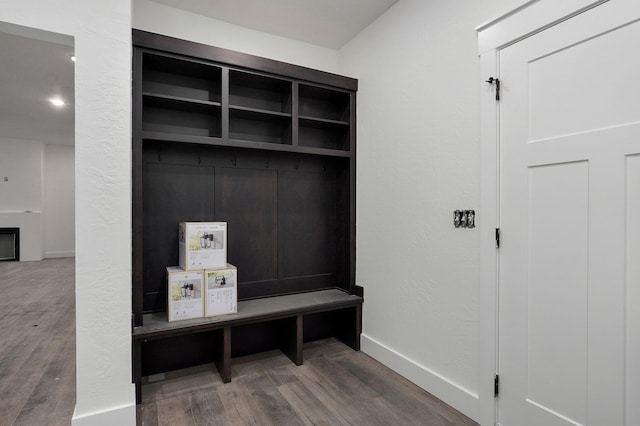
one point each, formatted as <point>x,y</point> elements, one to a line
<point>556,88</point>
<point>558,288</point>
<point>569,137</point>
<point>633,290</point>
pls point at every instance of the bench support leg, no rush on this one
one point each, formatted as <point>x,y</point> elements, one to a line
<point>292,337</point>
<point>137,369</point>
<point>222,358</point>
<point>351,327</point>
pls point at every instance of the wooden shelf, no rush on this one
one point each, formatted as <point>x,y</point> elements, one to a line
<point>180,77</point>
<point>323,103</point>
<point>259,92</point>
<point>326,134</point>
<point>179,99</point>
<point>265,112</point>
<point>323,121</point>
<point>215,141</point>
<point>176,116</point>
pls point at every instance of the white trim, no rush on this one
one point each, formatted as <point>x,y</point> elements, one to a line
<point>504,16</point>
<point>487,223</point>
<point>124,415</point>
<point>529,18</point>
<point>36,33</point>
<point>53,254</point>
<point>453,394</point>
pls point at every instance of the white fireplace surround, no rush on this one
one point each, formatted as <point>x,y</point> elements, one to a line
<point>37,192</point>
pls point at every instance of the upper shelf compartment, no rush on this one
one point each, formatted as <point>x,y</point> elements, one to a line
<point>260,93</point>
<point>180,79</point>
<point>323,104</point>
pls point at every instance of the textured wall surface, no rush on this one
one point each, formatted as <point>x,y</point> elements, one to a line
<point>162,19</point>
<point>102,33</point>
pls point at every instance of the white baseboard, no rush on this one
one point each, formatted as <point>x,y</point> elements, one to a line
<point>121,416</point>
<point>52,254</point>
<point>459,398</point>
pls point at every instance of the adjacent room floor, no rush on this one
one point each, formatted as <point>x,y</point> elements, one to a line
<point>336,385</point>
<point>37,342</point>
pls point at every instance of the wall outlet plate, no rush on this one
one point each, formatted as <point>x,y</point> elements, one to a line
<point>464,218</point>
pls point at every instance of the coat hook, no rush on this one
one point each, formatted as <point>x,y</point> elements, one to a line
<point>266,162</point>
<point>297,164</point>
<point>234,161</point>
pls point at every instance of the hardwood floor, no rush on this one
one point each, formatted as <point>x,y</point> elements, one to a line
<point>335,386</point>
<point>37,342</point>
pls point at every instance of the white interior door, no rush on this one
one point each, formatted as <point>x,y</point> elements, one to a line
<point>569,282</point>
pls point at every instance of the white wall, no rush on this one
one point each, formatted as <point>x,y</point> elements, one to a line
<point>418,161</point>
<point>39,181</point>
<point>162,19</point>
<point>21,163</point>
<point>102,31</point>
<point>59,201</point>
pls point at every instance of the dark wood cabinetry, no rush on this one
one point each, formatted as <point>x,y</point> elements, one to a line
<point>269,148</point>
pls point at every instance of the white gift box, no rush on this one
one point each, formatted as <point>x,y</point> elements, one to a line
<point>221,291</point>
<point>202,245</point>
<point>185,294</point>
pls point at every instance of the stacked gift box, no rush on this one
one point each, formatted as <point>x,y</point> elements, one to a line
<point>204,285</point>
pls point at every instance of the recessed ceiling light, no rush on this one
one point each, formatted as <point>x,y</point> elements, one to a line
<point>57,102</point>
<point>73,58</point>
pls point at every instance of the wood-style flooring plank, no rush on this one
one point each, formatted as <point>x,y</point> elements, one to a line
<point>274,408</point>
<point>175,411</point>
<point>147,414</point>
<point>49,389</point>
<point>401,393</point>
<point>350,389</point>
<point>37,343</point>
<point>330,397</point>
<point>207,408</point>
<point>239,406</point>
<point>309,408</point>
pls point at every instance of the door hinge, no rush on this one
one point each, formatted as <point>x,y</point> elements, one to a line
<point>496,386</point>
<point>497,237</point>
<point>497,82</point>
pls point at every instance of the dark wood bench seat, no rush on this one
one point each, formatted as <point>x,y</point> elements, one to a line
<point>289,310</point>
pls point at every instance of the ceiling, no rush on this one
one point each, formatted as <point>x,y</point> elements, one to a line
<point>34,67</point>
<point>328,23</point>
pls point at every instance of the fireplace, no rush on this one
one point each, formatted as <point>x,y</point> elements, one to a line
<point>9,244</point>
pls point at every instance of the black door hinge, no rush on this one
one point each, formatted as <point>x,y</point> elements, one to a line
<point>497,237</point>
<point>496,386</point>
<point>497,82</point>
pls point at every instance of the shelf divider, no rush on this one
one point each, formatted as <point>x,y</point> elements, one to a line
<point>225,103</point>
